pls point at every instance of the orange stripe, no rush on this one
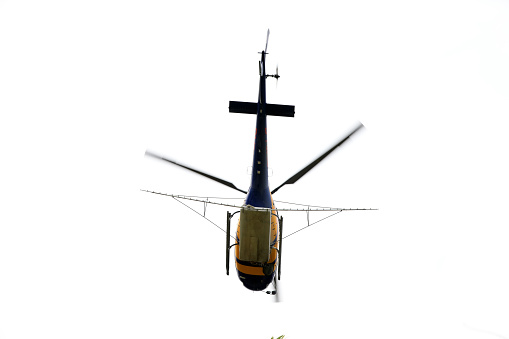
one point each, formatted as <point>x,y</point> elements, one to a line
<point>253,270</point>
<point>249,269</point>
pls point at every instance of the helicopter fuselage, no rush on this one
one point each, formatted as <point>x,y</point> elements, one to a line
<point>257,230</point>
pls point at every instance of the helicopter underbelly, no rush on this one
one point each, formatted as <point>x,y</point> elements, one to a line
<point>256,267</point>
<point>255,282</point>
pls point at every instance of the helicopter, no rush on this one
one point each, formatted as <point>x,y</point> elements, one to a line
<point>259,234</point>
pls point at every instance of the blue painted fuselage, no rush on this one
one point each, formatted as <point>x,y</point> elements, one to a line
<point>252,274</point>
<point>259,192</point>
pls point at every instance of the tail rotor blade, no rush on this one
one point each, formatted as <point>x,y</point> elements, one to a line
<point>277,74</point>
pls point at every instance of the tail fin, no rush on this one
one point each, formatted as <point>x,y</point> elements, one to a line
<point>272,109</point>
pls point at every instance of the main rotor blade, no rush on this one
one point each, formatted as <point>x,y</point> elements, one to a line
<point>267,42</point>
<point>306,169</point>
<point>221,181</point>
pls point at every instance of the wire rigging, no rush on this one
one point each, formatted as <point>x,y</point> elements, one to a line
<point>316,222</point>
<point>300,229</point>
<point>308,209</point>
<point>195,211</point>
<point>200,197</point>
<point>297,204</point>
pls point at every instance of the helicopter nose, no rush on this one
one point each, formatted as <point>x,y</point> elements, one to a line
<point>255,282</point>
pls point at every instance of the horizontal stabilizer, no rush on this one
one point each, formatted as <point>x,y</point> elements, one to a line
<point>272,109</point>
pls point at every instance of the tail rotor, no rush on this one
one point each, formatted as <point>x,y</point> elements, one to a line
<point>275,75</point>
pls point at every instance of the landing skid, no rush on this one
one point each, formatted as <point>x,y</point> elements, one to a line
<point>228,246</point>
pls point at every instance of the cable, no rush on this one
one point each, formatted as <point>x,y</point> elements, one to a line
<point>294,203</point>
<point>195,196</point>
<point>310,224</point>
<point>203,216</point>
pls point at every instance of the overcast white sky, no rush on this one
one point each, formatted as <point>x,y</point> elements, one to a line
<point>87,86</point>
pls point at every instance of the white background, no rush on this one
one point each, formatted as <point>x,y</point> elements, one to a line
<point>87,86</point>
